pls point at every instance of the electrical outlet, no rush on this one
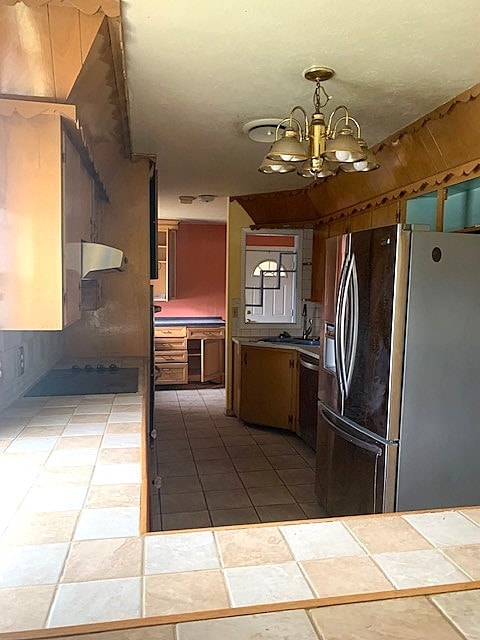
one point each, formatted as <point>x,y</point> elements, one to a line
<point>20,361</point>
<point>1,368</point>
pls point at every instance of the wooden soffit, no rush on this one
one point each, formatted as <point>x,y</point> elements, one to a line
<point>44,43</point>
<point>439,147</point>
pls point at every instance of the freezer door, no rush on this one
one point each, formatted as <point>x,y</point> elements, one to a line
<point>366,328</point>
<point>354,473</point>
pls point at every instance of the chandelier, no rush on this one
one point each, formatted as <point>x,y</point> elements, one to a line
<point>313,148</point>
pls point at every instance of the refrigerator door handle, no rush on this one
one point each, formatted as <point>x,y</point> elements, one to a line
<point>353,322</point>
<point>357,442</point>
<point>339,331</point>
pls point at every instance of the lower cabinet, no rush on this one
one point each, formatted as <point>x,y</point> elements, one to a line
<point>184,354</point>
<point>268,383</point>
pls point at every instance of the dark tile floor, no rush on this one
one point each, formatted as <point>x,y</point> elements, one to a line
<point>211,469</point>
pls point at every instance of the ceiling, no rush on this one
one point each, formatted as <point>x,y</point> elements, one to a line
<point>198,71</point>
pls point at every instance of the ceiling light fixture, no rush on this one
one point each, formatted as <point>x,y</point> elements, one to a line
<point>331,146</point>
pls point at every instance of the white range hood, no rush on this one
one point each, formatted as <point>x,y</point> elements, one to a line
<point>100,257</point>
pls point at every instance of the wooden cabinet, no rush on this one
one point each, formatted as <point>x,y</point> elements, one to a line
<point>206,354</point>
<point>185,355</point>
<point>47,198</point>
<point>268,386</point>
<point>164,287</point>
<point>318,264</point>
<point>171,361</point>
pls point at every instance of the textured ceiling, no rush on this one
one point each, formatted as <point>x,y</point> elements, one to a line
<point>197,71</point>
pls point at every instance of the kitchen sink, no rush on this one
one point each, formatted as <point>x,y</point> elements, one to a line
<point>299,341</point>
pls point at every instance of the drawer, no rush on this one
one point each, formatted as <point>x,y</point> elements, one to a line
<point>170,332</point>
<point>170,344</point>
<point>171,356</point>
<point>171,373</point>
<point>206,332</point>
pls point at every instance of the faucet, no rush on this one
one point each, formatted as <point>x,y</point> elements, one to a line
<point>307,324</point>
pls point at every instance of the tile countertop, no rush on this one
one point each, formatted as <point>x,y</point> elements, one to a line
<point>259,342</point>
<point>161,321</point>
<point>71,551</point>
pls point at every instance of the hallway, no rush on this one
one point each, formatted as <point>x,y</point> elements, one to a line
<point>215,470</point>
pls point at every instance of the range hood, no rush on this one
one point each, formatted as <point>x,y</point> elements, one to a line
<point>100,257</point>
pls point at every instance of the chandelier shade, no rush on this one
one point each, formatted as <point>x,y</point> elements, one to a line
<point>288,148</point>
<point>318,147</point>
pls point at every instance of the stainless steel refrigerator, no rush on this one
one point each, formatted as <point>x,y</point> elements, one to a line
<point>399,379</point>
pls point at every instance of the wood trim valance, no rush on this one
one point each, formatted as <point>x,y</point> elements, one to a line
<point>110,8</point>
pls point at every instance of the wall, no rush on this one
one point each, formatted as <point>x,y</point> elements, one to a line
<point>200,264</point>
<point>41,350</point>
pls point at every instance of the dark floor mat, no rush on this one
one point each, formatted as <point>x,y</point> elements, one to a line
<point>66,382</point>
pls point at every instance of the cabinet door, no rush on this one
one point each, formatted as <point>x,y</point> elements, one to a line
<point>212,360</point>
<point>318,264</point>
<point>268,387</point>
<point>387,215</point>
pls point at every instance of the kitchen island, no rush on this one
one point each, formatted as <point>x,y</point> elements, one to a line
<point>74,552</point>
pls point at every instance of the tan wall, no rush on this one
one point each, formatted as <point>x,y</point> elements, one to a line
<point>122,325</point>
<point>238,219</point>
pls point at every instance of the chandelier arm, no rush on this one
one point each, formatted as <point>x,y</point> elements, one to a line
<point>347,120</point>
<point>305,135</point>
<point>290,121</point>
<point>346,117</point>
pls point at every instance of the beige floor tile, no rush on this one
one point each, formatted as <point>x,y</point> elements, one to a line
<point>111,495</point>
<point>383,535</point>
<point>463,609</point>
<point>173,553</point>
<point>280,512</point>
<point>79,442</point>
<point>117,522</point>
<point>119,455</point>
<point>96,601</point>
<point>181,484</point>
<point>445,529</point>
<point>317,540</point>
<point>224,517</point>
<point>29,528</point>
<point>124,427</point>
<point>4,444</point>
<point>64,476</point>
<point>231,499</point>
<point>418,568</point>
<point>91,418</point>
<point>72,458</point>
<point>472,514</point>
<point>40,432</point>
<point>405,618</point>
<point>55,498</point>
<point>31,564</point>
<point>121,440</point>
<point>160,632</point>
<point>182,592</point>
<point>129,473</point>
<point>244,547</point>
<point>467,557</point>
<point>103,559</point>
<point>266,583</point>
<point>183,502</point>
<point>287,625</point>
<point>262,496</point>
<point>313,510</point>
<point>265,478</point>
<point>188,520</point>
<point>221,481</point>
<point>25,607</point>
<point>343,576</point>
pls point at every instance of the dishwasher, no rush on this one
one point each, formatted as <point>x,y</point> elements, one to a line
<point>307,410</point>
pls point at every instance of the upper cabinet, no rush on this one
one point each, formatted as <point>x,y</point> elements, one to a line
<point>46,205</point>
<point>164,287</point>
<point>461,206</point>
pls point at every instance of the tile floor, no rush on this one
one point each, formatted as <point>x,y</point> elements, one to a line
<point>71,551</point>
<point>216,470</point>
